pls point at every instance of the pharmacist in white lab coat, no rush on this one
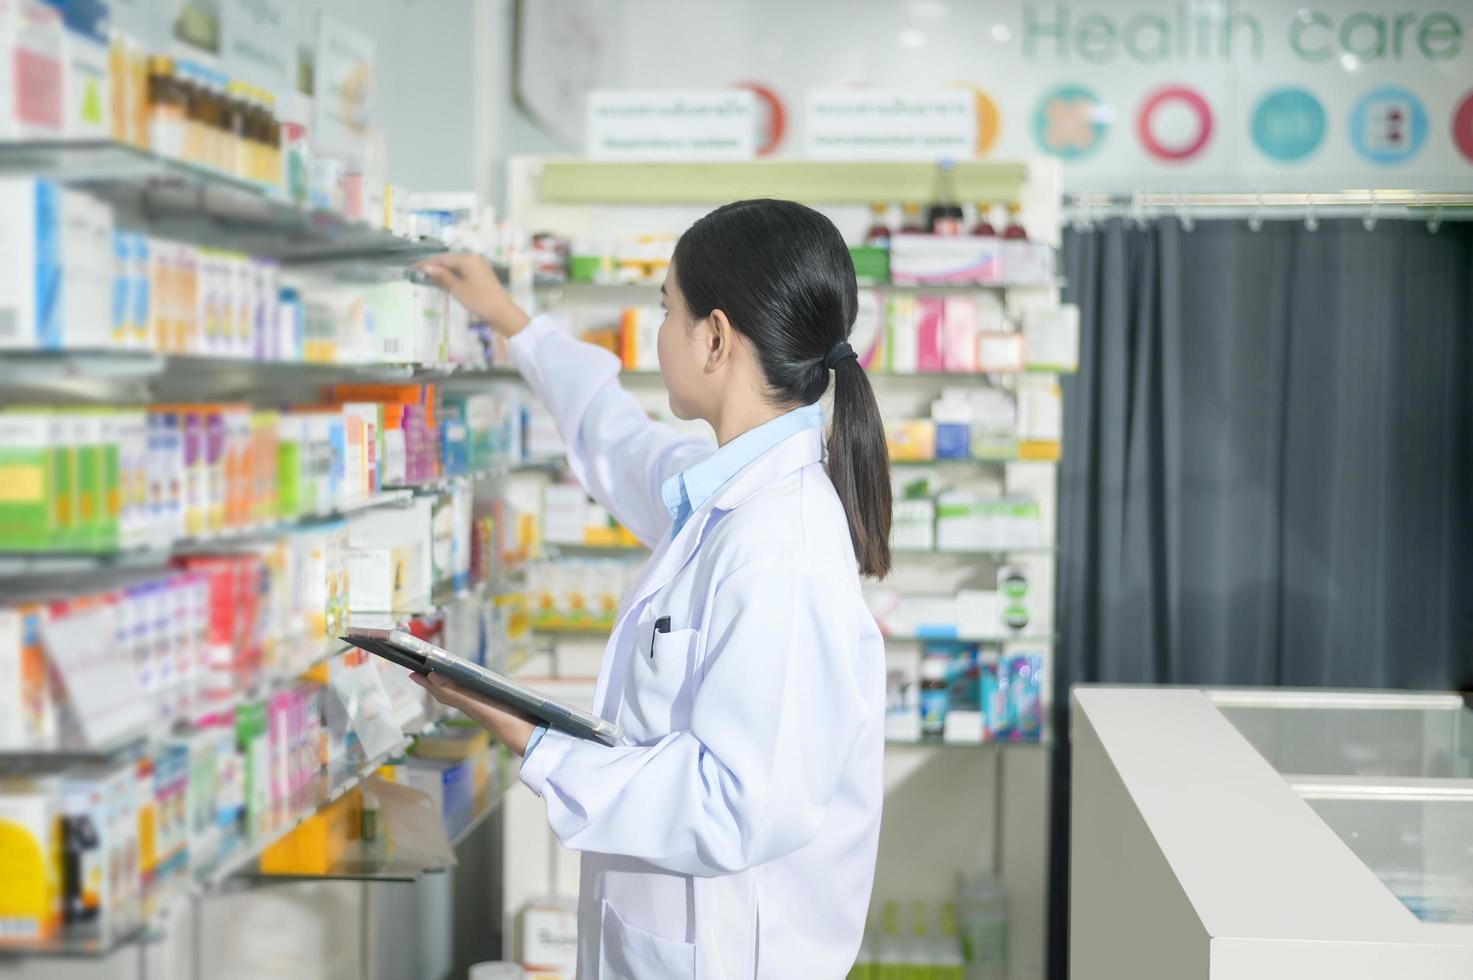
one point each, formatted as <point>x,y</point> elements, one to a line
<point>733,833</point>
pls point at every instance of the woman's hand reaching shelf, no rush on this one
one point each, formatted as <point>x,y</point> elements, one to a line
<point>472,281</point>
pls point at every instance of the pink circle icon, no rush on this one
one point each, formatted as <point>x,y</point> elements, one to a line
<point>1463,127</point>
<point>1170,97</point>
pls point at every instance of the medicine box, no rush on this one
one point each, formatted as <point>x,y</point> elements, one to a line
<point>87,94</point>
<point>30,879</point>
<point>32,84</point>
<point>448,784</point>
<point>389,558</point>
<point>917,259</point>
<point>27,710</point>
<point>31,239</point>
<point>913,525</point>
<point>92,863</point>
<point>36,506</point>
<point>966,522</point>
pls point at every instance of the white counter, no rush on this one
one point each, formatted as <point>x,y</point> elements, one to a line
<point>1194,855</point>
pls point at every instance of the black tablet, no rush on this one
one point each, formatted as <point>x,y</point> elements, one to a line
<point>408,650</point>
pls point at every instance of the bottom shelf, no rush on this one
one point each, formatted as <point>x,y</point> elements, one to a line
<point>360,864</point>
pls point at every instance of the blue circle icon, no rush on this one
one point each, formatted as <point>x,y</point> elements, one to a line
<point>1288,124</point>
<point>1388,125</point>
<point>1070,122</point>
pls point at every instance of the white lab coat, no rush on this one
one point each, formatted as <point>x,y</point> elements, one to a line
<point>734,833</point>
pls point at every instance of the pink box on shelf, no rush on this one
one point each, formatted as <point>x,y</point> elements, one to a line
<point>959,348</point>
<point>930,339</point>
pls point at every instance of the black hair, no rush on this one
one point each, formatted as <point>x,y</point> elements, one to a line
<point>784,278</point>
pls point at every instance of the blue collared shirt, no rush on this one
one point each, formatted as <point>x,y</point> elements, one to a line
<point>685,492</point>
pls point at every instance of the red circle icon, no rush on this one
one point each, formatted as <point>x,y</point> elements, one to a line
<point>1463,126</point>
<point>1193,102</point>
<point>772,118</point>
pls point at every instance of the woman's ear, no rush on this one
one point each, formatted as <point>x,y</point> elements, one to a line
<point>721,340</point>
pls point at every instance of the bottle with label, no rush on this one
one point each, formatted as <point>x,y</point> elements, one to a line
<point>983,921</point>
<point>983,228</point>
<point>922,952</point>
<point>911,220</point>
<point>933,695</point>
<point>1014,229</point>
<point>890,962</point>
<point>946,956</point>
<point>165,108</point>
<point>878,235</point>
<point>192,97</point>
<point>945,215</point>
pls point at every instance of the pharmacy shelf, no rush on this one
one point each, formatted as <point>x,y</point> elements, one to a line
<point>998,554</point>
<point>982,554</point>
<point>927,377</point>
<point>812,182</point>
<point>557,463</point>
<point>359,864</point>
<point>435,607</point>
<point>573,288</point>
<point>448,483</point>
<point>989,640</point>
<point>180,375</point>
<point>73,944</point>
<point>572,632</point>
<point>969,463</point>
<point>175,199</point>
<point>331,787</point>
<point>13,761</point>
<point>15,565</point>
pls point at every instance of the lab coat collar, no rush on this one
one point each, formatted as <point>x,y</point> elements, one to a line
<point>788,456</point>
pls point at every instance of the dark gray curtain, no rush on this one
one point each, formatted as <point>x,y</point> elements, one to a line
<point>1268,463</point>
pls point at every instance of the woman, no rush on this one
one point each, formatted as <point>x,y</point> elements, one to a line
<point>734,835</point>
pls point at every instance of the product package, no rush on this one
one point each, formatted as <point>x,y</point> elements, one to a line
<point>32,89</point>
<point>27,706</point>
<point>30,880</point>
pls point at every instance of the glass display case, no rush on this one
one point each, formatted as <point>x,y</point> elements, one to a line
<point>1390,774</point>
<point>1266,833</point>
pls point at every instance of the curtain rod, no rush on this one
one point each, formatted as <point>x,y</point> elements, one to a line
<point>1369,205</point>
<point>1267,199</point>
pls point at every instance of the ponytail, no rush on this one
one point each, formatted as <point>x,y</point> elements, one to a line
<point>859,467</point>
<point>784,277</point>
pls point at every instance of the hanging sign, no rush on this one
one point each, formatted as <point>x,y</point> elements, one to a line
<point>651,125</point>
<point>868,124</point>
<point>343,94</point>
<point>256,44</point>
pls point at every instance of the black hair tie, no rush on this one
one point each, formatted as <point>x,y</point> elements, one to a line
<point>837,354</point>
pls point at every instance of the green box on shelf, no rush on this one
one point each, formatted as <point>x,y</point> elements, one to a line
<point>583,268</point>
<point>871,265</point>
<point>30,468</point>
<point>109,481</point>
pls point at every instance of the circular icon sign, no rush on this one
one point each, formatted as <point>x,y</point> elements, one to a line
<point>1463,127</point>
<point>1388,125</point>
<point>1288,124</point>
<point>988,122</point>
<point>1174,123</point>
<point>771,119</point>
<point>1070,122</point>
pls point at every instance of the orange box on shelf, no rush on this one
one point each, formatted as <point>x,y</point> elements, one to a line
<point>315,846</point>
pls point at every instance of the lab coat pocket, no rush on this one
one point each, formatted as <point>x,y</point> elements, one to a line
<point>660,686</point>
<point>626,952</point>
